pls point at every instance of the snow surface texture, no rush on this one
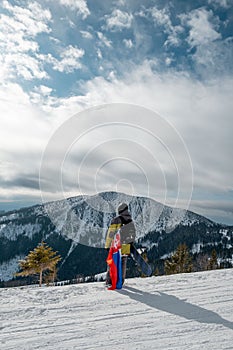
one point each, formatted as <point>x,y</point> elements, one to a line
<point>186,311</point>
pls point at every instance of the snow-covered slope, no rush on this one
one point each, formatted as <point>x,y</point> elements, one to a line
<point>178,312</point>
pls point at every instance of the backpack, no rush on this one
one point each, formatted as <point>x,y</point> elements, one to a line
<point>128,233</point>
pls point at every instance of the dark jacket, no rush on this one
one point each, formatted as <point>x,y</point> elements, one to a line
<point>123,219</point>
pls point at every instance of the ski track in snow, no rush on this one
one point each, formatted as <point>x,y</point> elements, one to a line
<point>186,311</point>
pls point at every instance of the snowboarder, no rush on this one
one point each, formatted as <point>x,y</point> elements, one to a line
<point>123,224</point>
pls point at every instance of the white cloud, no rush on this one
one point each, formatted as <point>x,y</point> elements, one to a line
<point>23,135</point>
<point>79,5</point>
<point>99,54</point>
<point>163,18</point>
<point>220,3</point>
<point>86,35</point>
<point>128,43</point>
<point>118,20</point>
<point>216,58</point>
<point>70,59</point>
<point>17,44</point>
<point>202,113</point>
<point>23,65</point>
<point>199,105</point>
<point>31,20</point>
<point>213,55</point>
<point>202,27</point>
<point>104,40</point>
<point>43,90</point>
<point>168,61</point>
<point>55,40</point>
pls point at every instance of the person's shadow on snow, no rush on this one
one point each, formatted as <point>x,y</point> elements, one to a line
<point>175,306</point>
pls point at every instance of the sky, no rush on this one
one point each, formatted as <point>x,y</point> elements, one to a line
<point>168,60</point>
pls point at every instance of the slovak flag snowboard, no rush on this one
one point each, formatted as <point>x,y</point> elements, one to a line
<point>114,262</point>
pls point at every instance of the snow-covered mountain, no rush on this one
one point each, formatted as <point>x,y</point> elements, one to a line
<point>186,311</point>
<point>76,215</point>
<point>77,226</point>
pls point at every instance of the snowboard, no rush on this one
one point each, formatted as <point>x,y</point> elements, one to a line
<point>144,266</point>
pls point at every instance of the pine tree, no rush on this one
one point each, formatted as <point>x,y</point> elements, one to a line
<point>40,259</point>
<point>213,262</point>
<point>156,272</point>
<point>180,262</point>
<point>144,255</point>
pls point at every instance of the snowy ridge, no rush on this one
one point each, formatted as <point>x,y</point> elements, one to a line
<point>85,219</point>
<point>12,231</point>
<point>178,312</point>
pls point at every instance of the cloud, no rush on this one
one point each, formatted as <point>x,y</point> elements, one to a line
<point>216,58</point>
<point>79,5</point>
<point>162,18</point>
<point>86,35</point>
<point>104,40</point>
<point>213,55</point>
<point>128,43</point>
<point>43,90</point>
<point>70,59</point>
<point>199,104</point>
<point>23,66</point>
<point>220,3</point>
<point>108,154</point>
<point>168,61</point>
<point>25,180</point>
<point>99,54</point>
<point>202,27</point>
<point>23,134</point>
<point>220,211</point>
<point>30,20</point>
<point>118,20</point>
<point>206,109</point>
<point>40,94</point>
<point>19,28</point>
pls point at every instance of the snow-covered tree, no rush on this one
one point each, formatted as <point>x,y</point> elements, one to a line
<point>41,259</point>
<point>180,262</point>
<point>201,263</point>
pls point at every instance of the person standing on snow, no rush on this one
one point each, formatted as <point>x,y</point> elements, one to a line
<point>124,224</point>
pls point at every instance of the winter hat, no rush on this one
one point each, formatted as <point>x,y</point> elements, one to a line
<point>122,207</point>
